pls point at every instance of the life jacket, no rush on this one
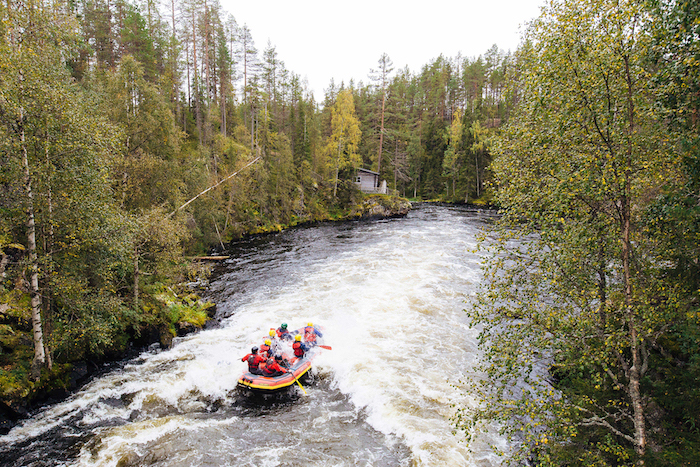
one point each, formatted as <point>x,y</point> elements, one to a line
<point>298,349</point>
<point>264,348</point>
<point>310,336</point>
<point>271,367</point>
<point>254,361</point>
<point>282,333</point>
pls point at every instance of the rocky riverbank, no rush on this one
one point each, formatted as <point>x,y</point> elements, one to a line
<point>181,314</point>
<point>382,206</point>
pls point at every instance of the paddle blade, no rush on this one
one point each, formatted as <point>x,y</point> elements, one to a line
<point>327,347</point>
<point>302,387</point>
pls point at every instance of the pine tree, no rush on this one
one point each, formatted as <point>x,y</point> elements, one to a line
<point>382,79</point>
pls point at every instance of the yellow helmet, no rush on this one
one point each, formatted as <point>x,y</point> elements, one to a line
<point>268,342</point>
<point>310,324</point>
<point>272,333</point>
<point>297,337</point>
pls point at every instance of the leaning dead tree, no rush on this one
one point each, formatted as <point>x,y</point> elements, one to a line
<point>217,184</point>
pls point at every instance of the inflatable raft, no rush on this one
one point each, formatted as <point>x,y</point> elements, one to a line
<point>298,367</point>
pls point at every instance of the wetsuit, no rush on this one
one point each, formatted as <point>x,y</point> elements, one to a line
<point>312,329</point>
<point>310,334</point>
<point>254,361</point>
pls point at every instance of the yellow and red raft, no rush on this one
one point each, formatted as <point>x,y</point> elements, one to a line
<point>298,367</point>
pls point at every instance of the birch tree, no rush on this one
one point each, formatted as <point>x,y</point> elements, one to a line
<point>341,146</point>
<point>48,129</point>
<point>574,300</point>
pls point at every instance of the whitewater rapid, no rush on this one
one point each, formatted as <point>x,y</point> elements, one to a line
<point>390,297</point>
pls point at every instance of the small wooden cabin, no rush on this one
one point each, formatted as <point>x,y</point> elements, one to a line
<point>368,182</point>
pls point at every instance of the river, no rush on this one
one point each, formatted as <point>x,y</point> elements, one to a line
<point>389,295</point>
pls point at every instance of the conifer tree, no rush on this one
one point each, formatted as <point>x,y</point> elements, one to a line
<point>382,79</point>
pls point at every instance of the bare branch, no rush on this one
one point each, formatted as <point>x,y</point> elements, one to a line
<point>214,186</point>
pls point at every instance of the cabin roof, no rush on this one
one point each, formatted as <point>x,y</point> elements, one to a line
<point>367,171</point>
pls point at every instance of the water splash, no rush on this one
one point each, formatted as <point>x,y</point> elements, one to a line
<point>390,297</point>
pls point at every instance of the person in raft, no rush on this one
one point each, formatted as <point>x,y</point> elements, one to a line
<point>273,368</point>
<point>299,347</point>
<point>283,333</point>
<point>310,334</point>
<point>275,341</point>
<point>254,360</point>
<point>265,348</point>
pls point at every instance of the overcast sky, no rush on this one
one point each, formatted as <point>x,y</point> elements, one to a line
<point>320,40</point>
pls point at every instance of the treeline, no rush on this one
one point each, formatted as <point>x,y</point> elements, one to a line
<point>591,308</point>
<point>135,134</point>
<point>222,88</point>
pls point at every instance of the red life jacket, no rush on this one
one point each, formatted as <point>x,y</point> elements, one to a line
<point>298,351</point>
<point>264,348</point>
<point>254,361</point>
<point>272,367</point>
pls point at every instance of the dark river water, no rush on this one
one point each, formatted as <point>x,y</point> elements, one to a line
<point>390,297</point>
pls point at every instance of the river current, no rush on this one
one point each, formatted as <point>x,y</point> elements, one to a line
<point>389,296</point>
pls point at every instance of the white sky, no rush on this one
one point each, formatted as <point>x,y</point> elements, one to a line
<point>320,40</point>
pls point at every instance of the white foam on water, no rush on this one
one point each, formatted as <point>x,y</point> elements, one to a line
<point>393,313</point>
<point>392,310</point>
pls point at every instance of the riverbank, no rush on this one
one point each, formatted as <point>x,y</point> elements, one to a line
<point>165,311</point>
<point>164,314</point>
<point>358,280</point>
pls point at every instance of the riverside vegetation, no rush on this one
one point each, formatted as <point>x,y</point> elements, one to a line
<point>590,306</point>
<point>134,136</point>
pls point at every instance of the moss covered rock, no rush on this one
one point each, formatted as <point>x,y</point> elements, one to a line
<point>383,206</point>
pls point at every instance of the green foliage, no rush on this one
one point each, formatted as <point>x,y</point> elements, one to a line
<point>87,323</point>
<point>16,349</point>
<point>182,308</point>
<point>588,304</point>
<point>121,129</point>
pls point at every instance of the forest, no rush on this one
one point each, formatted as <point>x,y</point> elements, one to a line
<point>135,135</point>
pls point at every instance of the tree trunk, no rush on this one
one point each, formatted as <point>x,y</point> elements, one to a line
<point>173,62</point>
<point>4,261</point>
<point>636,368</point>
<point>478,181</point>
<point>39,355</point>
<point>207,76</point>
<point>197,96</point>
<point>136,276</point>
<point>381,136</point>
<point>48,249</point>
<point>222,104</point>
<point>635,373</point>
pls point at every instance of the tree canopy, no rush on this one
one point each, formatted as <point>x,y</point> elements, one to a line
<point>137,134</point>
<point>583,310</point>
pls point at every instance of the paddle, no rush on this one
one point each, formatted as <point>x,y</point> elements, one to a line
<point>302,387</point>
<point>327,347</point>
